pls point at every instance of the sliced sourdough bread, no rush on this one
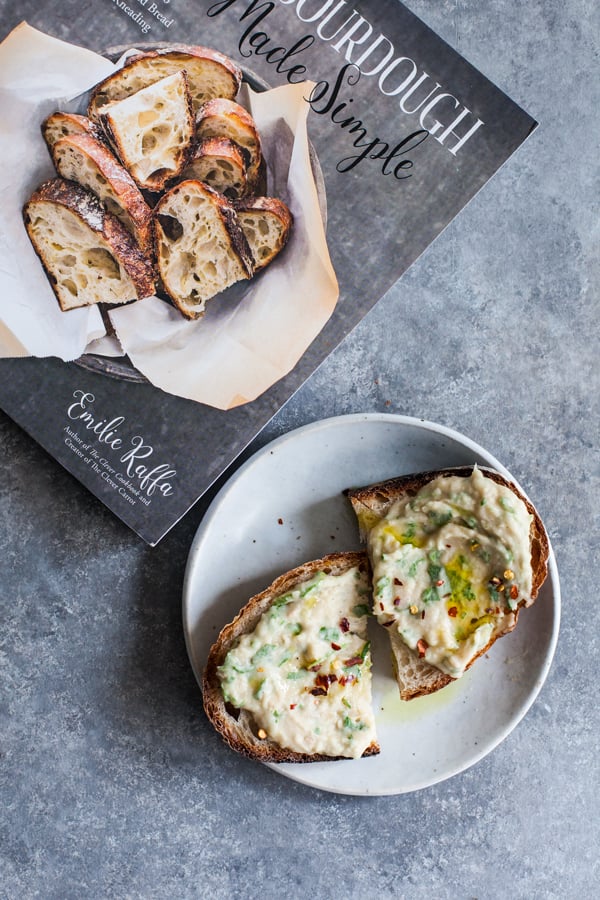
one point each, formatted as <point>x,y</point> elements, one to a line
<point>89,162</point>
<point>209,73</point>
<point>200,246</point>
<point>62,124</point>
<point>152,130</point>
<point>220,164</point>
<point>289,679</point>
<point>267,223</point>
<point>223,118</point>
<point>456,554</point>
<point>87,253</point>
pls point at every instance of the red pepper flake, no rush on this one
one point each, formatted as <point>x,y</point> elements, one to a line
<point>453,611</point>
<point>397,601</point>
<point>280,521</point>
<point>346,679</point>
<point>345,625</point>
<point>439,583</point>
<point>381,606</point>
<point>314,668</point>
<point>293,705</point>
<point>397,581</point>
<point>354,661</point>
<point>422,646</point>
<point>322,683</point>
<point>423,614</point>
<point>335,646</point>
<point>514,592</point>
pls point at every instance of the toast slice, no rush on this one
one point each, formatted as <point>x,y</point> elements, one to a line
<point>223,118</point>
<point>200,246</point>
<point>267,223</point>
<point>89,162</point>
<point>289,679</point>
<point>152,131</point>
<point>456,554</point>
<point>87,253</point>
<point>220,164</point>
<point>210,74</point>
<point>62,124</point>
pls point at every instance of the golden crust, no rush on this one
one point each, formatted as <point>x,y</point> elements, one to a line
<point>239,732</point>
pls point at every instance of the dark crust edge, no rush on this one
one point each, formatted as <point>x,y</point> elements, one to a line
<point>247,618</point>
<point>77,200</point>
<point>230,221</point>
<point>387,492</point>
<point>85,124</point>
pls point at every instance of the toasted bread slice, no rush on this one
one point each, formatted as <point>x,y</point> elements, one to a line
<point>227,119</point>
<point>200,246</point>
<point>89,162</point>
<point>152,131</point>
<point>220,164</point>
<point>456,554</point>
<point>87,253</point>
<point>267,223</point>
<point>289,679</point>
<point>62,124</point>
<point>210,74</point>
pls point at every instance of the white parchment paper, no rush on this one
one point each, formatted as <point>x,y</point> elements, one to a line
<point>251,335</point>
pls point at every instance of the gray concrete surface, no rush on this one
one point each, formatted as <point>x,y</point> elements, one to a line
<point>112,784</point>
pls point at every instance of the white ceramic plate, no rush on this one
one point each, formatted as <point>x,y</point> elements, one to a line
<point>285,506</point>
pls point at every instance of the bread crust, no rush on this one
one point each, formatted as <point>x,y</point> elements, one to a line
<point>114,87</point>
<point>136,215</point>
<point>378,498</point>
<point>237,732</point>
<point>89,210</point>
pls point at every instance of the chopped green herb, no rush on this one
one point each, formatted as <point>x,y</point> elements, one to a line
<point>353,726</point>
<point>329,634</point>
<point>506,505</point>
<point>439,519</point>
<point>361,609</point>
<point>295,628</point>
<point>382,584</point>
<point>281,601</point>
<point>312,585</point>
<point>264,651</point>
<point>258,691</point>
<point>430,595</point>
<point>294,676</point>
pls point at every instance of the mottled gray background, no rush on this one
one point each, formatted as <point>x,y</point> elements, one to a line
<point>111,782</point>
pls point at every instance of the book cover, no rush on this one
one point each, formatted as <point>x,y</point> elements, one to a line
<point>403,133</point>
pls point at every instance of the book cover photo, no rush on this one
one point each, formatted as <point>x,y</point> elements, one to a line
<point>355,135</point>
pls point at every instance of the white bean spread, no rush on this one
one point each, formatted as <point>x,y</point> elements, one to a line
<point>450,566</point>
<point>304,673</point>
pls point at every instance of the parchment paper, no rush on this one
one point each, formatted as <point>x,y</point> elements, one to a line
<point>251,335</point>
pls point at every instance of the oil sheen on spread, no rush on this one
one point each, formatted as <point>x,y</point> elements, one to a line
<point>450,566</point>
<point>305,671</point>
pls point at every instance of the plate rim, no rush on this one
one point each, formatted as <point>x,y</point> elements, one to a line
<point>292,771</point>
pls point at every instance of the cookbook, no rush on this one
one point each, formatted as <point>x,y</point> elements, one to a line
<point>376,133</point>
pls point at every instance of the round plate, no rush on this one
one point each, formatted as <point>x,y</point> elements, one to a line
<point>285,506</point>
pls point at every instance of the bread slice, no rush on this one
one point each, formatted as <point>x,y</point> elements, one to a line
<point>220,164</point>
<point>89,162</point>
<point>200,246</point>
<point>298,658</point>
<point>223,118</point>
<point>152,131</point>
<point>267,223</point>
<point>88,255</point>
<point>442,566</point>
<point>209,73</point>
<point>61,124</point>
